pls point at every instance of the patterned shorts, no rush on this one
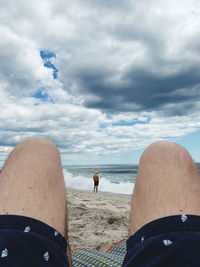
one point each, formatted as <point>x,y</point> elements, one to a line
<point>28,242</point>
<point>170,241</point>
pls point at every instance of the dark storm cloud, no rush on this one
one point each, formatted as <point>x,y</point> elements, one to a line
<point>139,90</point>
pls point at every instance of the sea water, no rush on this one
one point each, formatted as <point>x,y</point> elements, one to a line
<point>116,179</point>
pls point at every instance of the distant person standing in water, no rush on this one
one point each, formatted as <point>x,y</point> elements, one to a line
<point>96,181</point>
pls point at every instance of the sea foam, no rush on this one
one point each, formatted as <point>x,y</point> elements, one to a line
<point>84,183</point>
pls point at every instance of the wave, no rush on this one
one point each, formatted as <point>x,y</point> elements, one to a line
<point>83,183</point>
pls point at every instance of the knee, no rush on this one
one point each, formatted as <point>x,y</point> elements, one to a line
<point>166,152</point>
<point>35,159</point>
<point>36,146</point>
<point>38,142</point>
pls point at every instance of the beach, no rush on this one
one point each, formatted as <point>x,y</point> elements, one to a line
<point>96,221</point>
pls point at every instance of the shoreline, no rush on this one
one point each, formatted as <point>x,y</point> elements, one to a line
<point>96,221</point>
<point>99,192</point>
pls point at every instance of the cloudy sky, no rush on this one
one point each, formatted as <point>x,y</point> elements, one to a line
<point>100,78</point>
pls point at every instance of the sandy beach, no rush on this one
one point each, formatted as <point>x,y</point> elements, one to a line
<point>97,221</point>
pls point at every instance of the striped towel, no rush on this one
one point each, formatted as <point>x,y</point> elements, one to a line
<point>114,256</point>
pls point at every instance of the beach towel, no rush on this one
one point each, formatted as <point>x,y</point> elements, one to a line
<point>114,256</point>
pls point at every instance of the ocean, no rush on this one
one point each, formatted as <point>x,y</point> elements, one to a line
<point>116,178</point>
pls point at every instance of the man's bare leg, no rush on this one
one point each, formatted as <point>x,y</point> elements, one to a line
<point>168,183</point>
<point>32,184</point>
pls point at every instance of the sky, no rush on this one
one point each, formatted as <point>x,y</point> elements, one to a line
<point>101,79</point>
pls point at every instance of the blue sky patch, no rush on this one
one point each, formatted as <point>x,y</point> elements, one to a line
<point>47,57</point>
<point>103,125</point>
<point>131,123</point>
<point>123,136</point>
<point>41,95</point>
<point>124,123</point>
<point>47,54</point>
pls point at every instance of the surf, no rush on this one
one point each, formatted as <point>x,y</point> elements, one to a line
<point>80,182</point>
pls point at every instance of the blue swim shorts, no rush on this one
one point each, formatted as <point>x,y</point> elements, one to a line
<point>27,242</point>
<point>170,241</point>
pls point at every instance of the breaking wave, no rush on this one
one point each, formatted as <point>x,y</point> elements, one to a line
<point>84,183</point>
